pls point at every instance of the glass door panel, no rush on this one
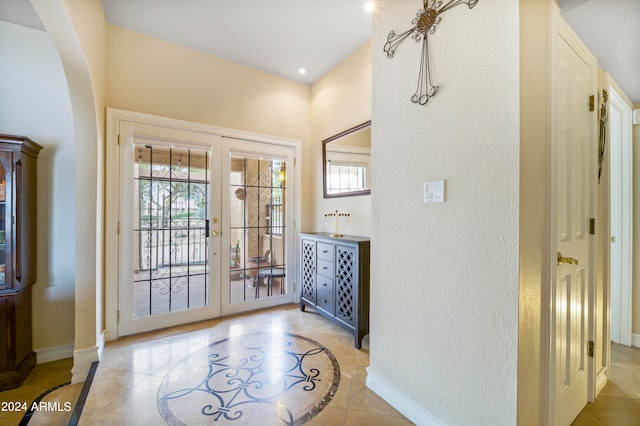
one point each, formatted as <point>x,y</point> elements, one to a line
<point>171,258</point>
<point>258,232</point>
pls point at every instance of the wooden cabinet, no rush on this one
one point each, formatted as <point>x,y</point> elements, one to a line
<point>335,280</point>
<point>17,257</point>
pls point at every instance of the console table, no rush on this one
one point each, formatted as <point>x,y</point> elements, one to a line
<point>335,280</point>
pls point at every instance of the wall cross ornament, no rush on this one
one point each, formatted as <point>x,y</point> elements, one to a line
<point>424,24</point>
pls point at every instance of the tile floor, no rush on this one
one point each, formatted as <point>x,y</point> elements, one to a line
<point>618,404</point>
<point>138,371</point>
<point>43,378</point>
<point>135,369</point>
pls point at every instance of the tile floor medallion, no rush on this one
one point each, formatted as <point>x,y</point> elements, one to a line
<point>257,379</point>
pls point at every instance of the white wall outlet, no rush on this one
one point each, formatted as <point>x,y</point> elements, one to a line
<point>434,191</point>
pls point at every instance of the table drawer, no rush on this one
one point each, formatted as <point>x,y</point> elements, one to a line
<point>325,302</point>
<point>324,284</point>
<point>326,251</point>
<point>325,268</point>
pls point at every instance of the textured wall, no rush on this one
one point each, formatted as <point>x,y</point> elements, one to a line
<point>444,277</point>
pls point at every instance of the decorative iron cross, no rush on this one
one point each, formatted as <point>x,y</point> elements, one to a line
<point>424,24</point>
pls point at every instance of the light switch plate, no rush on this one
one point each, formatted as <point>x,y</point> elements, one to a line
<point>434,191</point>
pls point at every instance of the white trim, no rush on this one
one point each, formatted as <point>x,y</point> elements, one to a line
<point>54,354</point>
<point>621,216</point>
<point>398,400</point>
<point>82,360</point>
<point>635,340</point>
<point>601,380</point>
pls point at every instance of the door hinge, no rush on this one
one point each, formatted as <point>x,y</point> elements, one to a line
<point>591,349</point>
<point>118,140</point>
<point>592,226</point>
<point>294,288</point>
<point>118,230</point>
<point>118,316</point>
<point>592,103</point>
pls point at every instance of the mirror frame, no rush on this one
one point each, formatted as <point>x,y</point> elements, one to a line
<point>324,162</point>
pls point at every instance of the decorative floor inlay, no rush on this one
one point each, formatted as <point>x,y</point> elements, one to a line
<point>257,379</point>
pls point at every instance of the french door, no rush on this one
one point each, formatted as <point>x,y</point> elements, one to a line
<point>259,233</point>
<point>204,226</point>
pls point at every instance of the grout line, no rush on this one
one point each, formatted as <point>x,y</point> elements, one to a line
<point>75,417</point>
<point>27,416</point>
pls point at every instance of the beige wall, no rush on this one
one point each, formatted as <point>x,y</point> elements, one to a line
<point>340,100</point>
<point>146,74</point>
<point>35,102</point>
<point>535,128</point>
<point>152,76</point>
<point>444,277</point>
<point>77,30</point>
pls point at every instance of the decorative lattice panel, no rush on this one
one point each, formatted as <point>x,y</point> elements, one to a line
<point>308,271</point>
<point>345,297</point>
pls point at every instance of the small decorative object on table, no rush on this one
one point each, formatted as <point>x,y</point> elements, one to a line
<point>338,220</point>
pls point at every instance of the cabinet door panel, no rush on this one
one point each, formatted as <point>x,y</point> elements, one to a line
<point>6,211</point>
<point>7,360</point>
<point>308,256</point>
<point>345,284</point>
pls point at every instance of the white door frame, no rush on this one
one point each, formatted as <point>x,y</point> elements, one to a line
<point>559,28</point>
<point>114,119</point>
<point>621,215</point>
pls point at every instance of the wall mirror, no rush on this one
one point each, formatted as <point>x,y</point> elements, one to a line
<point>346,162</point>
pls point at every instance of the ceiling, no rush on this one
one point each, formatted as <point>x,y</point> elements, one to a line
<point>611,31</point>
<point>281,36</point>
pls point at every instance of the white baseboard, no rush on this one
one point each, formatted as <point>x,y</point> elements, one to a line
<point>635,340</point>
<point>398,400</point>
<point>83,358</point>
<point>54,354</point>
<point>601,380</point>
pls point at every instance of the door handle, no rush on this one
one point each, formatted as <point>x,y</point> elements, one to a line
<point>215,233</point>
<point>569,260</point>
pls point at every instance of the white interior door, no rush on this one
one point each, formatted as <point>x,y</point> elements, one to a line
<point>621,166</point>
<point>574,185</point>
<point>169,196</point>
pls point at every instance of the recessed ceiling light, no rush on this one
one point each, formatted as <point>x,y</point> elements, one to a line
<point>369,6</point>
<point>302,70</point>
